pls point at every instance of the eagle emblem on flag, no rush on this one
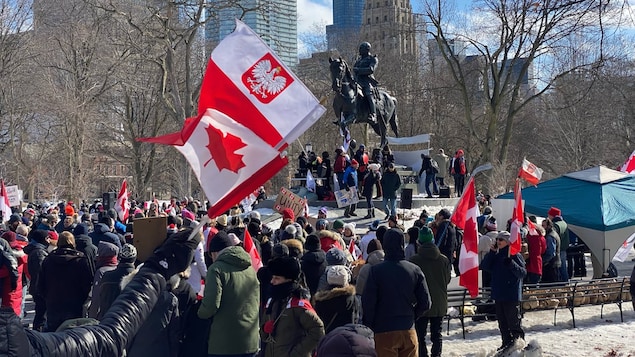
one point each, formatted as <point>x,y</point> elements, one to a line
<point>266,79</point>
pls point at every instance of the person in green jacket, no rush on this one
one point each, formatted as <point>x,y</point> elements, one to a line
<point>231,299</point>
<point>434,266</point>
<point>291,327</point>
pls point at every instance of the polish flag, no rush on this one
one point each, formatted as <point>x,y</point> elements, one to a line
<point>530,172</point>
<point>629,165</point>
<point>464,217</point>
<point>250,248</point>
<point>4,203</point>
<point>251,107</point>
<point>352,248</point>
<point>122,206</point>
<point>518,217</point>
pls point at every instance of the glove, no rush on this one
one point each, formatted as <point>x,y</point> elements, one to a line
<point>174,255</point>
<point>507,261</point>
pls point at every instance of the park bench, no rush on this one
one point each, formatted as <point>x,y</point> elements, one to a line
<point>462,306</point>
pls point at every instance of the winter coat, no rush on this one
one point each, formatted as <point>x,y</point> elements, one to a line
<point>110,286</point>
<point>348,341</point>
<point>350,177</point>
<point>106,250</point>
<point>102,232</point>
<point>390,183</point>
<point>159,334</point>
<point>374,258</point>
<point>396,293</point>
<point>85,245</point>
<point>329,239</point>
<point>313,266</point>
<point>36,253</point>
<point>340,164</point>
<point>537,246</point>
<point>232,300</point>
<point>198,268</point>
<point>560,226</point>
<point>13,340</point>
<point>298,329</point>
<point>445,239</point>
<point>337,307</point>
<point>442,160</point>
<point>507,274</point>
<point>551,256</point>
<point>13,297</point>
<point>434,265</point>
<point>370,179</point>
<point>64,282</point>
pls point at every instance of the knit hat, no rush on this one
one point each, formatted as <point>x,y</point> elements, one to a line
<point>491,225</point>
<point>220,241</point>
<point>338,275</point>
<point>425,235</point>
<point>374,225</point>
<point>107,249</point>
<point>350,226</point>
<point>254,215</point>
<point>188,215</point>
<point>503,235</point>
<point>487,210</point>
<point>38,235</point>
<point>222,220</point>
<point>80,229</point>
<point>323,210</point>
<point>254,229</point>
<point>280,250</point>
<point>234,238</point>
<point>335,256</point>
<point>30,211</point>
<point>301,220</point>
<point>9,236</point>
<point>554,212</point>
<point>128,253</point>
<point>312,243</point>
<point>14,218</point>
<point>354,162</point>
<point>286,267</point>
<point>69,210</point>
<point>288,213</point>
<point>338,224</point>
<point>289,232</point>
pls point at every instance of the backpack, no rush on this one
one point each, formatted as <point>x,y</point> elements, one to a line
<point>435,166</point>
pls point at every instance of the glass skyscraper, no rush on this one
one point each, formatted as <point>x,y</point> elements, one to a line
<point>347,20</point>
<point>275,21</point>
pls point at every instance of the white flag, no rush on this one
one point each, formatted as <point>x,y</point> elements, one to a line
<point>625,249</point>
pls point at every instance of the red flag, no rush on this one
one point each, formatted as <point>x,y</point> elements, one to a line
<point>629,165</point>
<point>122,206</point>
<point>518,217</point>
<point>306,207</point>
<point>464,217</point>
<point>250,107</point>
<point>250,248</point>
<point>530,172</point>
<point>4,203</point>
<point>352,249</point>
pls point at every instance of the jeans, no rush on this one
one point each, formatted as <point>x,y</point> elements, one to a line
<point>431,179</point>
<point>421,326</point>
<point>392,209</point>
<point>564,272</point>
<point>508,316</point>
<point>396,344</point>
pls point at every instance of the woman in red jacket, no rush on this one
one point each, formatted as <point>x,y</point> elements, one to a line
<point>12,296</point>
<point>536,245</point>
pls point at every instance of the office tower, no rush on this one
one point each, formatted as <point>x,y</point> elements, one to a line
<point>347,21</point>
<point>389,26</point>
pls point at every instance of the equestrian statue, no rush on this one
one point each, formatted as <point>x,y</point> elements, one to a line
<point>357,99</point>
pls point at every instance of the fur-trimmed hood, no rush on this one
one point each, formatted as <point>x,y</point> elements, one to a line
<point>335,292</point>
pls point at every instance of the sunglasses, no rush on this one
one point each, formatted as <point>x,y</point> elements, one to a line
<point>501,240</point>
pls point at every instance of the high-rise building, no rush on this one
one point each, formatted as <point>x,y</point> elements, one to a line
<point>389,26</point>
<point>347,21</point>
<point>275,21</point>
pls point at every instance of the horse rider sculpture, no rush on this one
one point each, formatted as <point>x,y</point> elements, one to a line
<point>363,70</point>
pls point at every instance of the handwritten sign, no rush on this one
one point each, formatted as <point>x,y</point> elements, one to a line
<point>346,198</point>
<point>288,199</point>
<point>14,195</point>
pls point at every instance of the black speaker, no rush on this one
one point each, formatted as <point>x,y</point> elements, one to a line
<point>108,199</point>
<point>406,198</point>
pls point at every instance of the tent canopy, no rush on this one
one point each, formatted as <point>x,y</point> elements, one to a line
<point>597,198</point>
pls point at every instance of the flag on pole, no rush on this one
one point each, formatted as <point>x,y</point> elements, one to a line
<point>625,249</point>
<point>629,165</point>
<point>122,206</point>
<point>518,218</point>
<point>530,172</point>
<point>352,248</point>
<point>250,107</point>
<point>250,248</point>
<point>4,203</point>
<point>464,217</point>
<point>306,207</point>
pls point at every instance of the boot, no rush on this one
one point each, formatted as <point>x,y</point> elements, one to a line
<point>370,214</point>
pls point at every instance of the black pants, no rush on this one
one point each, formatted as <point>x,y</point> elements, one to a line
<point>508,316</point>
<point>350,209</point>
<point>421,326</point>
<point>440,180</point>
<point>40,311</point>
<point>459,184</point>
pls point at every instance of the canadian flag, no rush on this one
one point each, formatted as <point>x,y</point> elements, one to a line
<point>122,206</point>
<point>4,203</point>
<point>464,217</point>
<point>518,218</point>
<point>250,107</point>
<point>629,165</point>
<point>530,172</point>
<point>250,248</point>
<point>306,207</point>
<point>352,248</point>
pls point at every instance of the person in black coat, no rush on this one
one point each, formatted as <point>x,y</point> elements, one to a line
<point>104,231</point>
<point>445,237</point>
<point>36,251</point>
<point>111,281</point>
<point>85,245</point>
<point>337,306</point>
<point>350,340</point>
<point>371,178</point>
<point>313,262</point>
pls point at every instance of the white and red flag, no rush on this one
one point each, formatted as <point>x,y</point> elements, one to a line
<point>518,218</point>
<point>530,172</point>
<point>251,107</point>
<point>464,217</point>
<point>629,165</point>
<point>250,248</point>
<point>122,206</point>
<point>4,203</point>
<point>352,248</point>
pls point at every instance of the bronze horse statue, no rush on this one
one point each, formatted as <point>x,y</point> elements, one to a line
<point>351,107</point>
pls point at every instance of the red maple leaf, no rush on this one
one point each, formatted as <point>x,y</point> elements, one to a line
<point>223,150</point>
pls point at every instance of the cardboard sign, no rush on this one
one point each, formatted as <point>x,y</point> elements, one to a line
<point>346,198</point>
<point>148,234</point>
<point>14,195</point>
<point>288,199</point>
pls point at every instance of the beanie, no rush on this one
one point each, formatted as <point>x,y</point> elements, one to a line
<point>321,224</point>
<point>288,213</point>
<point>554,212</point>
<point>312,243</point>
<point>425,235</point>
<point>128,253</point>
<point>504,235</point>
<point>285,266</point>
<point>80,229</point>
<point>280,250</point>
<point>38,235</point>
<point>335,256</point>
<point>338,224</point>
<point>491,225</point>
<point>338,275</point>
<point>350,226</point>
<point>220,241</point>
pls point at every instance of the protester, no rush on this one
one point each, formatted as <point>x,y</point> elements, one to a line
<point>110,285</point>
<point>12,285</point>
<point>385,310</point>
<point>445,237</point>
<point>350,181</point>
<point>413,242</point>
<point>85,245</point>
<point>485,243</point>
<point>337,306</point>
<point>107,260</point>
<point>313,262</point>
<point>433,264</point>
<point>334,257</point>
<point>390,183</point>
<point>551,257</point>
<point>537,246</point>
<point>507,273</point>
<point>560,227</point>
<point>198,268</point>
<point>350,340</point>
<point>36,251</point>
<point>369,181</point>
<point>376,255</point>
<point>370,235</point>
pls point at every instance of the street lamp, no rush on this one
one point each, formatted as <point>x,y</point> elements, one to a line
<point>308,147</point>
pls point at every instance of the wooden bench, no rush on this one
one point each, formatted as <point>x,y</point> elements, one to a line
<point>464,306</point>
<point>575,294</point>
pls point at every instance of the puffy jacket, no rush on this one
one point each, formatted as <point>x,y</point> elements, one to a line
<point>13,297</point>
<point>85,245</point>
<point>507,275</point>
<point>348,341</point>
<point>337,307</point>
<point>390,183</point>
<point>36,253</point>
<point>434,266</point>
<point>111,286</point>
<point>537,246</point>
<point>374,258</point>
<point>313,266</point>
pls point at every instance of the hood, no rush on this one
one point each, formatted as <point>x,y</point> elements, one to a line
<point>348,290</point>
<point>18,253</point>
<point>394,244</point>
<point>429,251</point>
<point>101,228</point>
<point>235,256</point>
<point>106,249</point>
<point>83,241</point>
<point>31,247</point>
<point>376,257</point>
<point>328,234</point>
<point>317,257</point>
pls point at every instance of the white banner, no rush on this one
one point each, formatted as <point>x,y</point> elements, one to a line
<point>14,195</point>
<point>346,198</point>
<point>417,139</point>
